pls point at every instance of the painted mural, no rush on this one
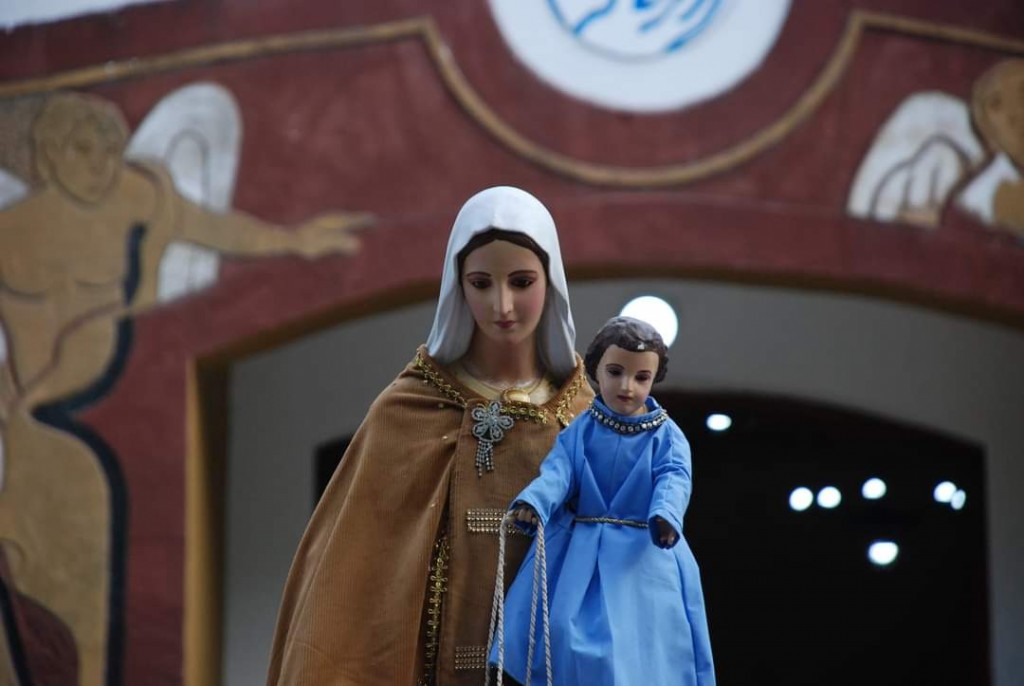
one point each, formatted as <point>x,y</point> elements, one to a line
<point>770,142</point>
<point>936,150</point>
<point>106,226</point>
<point>643,56</point>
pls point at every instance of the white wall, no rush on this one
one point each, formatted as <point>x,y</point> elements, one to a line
<point>18,12</point>
<point>947,373</point>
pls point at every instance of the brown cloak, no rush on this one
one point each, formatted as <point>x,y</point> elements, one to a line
<point>357,606</point>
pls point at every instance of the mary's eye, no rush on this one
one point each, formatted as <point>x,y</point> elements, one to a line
<point>522,282</point>
<point>479,284</point>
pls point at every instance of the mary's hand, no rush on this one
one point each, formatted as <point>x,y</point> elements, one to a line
<point>332,233</point>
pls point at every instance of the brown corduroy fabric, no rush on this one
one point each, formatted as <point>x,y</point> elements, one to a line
<point>353,607</point>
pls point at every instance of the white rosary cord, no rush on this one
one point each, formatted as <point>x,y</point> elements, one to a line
<point>540,581</point>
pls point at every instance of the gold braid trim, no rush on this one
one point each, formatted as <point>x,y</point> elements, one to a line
<point>516,410</point>
<point>438,381</point>
<point>562,408</point>
<point>529,411</point>
<point>436,589</point>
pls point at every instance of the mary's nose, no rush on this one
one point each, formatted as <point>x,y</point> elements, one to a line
<point>503,300</point>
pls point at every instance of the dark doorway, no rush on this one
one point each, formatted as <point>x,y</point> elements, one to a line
<point>792,596</point>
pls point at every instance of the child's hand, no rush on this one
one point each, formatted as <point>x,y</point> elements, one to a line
<point>667,536</point>
<point>526,514</point>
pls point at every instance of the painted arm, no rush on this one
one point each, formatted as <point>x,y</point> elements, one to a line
<point>240,234</point>
<point>672,486</point>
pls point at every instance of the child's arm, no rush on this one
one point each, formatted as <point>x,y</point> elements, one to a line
<point>671,473</point>
<point>555,484</point>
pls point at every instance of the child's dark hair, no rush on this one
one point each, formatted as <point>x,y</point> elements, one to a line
<point>629,334</point>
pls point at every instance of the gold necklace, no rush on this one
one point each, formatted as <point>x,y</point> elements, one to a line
<point>515,392</point>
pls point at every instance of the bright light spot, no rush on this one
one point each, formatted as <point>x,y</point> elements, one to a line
<point>829,497</point>
<point>801,498</point>
<point>719,422</point>
<point>883,552</point>
<point>873,489</point>
<point>944,492</point>
<point>958,500</point>
<point>655,312</point>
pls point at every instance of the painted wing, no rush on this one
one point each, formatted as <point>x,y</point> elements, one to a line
<point>918,157</point>
<point>196,133</point>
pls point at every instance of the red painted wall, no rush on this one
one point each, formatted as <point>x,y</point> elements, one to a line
<point>374,128</point>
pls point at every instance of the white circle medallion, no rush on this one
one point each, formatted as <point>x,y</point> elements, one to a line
<point>641,55</point>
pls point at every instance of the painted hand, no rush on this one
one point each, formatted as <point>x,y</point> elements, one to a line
<point>667,536</point>
<point>332,233</point>
<point>525,515</point>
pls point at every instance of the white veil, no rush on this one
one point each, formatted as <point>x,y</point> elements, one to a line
<point>509,209</point>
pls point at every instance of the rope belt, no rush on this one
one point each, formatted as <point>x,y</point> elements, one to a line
<point>611,520</point>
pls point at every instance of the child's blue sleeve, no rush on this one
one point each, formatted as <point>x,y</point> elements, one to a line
<point>672,483</point>
<point>557,480</point>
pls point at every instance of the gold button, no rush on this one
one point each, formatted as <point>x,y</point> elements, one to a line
<point>444,438</point>
<point>440,406</point>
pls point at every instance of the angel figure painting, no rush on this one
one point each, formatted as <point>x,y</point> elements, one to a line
<point>936,148</point>
<point>106,227</point>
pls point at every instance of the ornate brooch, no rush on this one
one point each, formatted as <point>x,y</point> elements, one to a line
<point>489,428</point>
<point>627,428</point>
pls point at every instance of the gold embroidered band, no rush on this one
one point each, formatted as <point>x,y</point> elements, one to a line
<point>486,520</point>
<point>470,657</point>
<point>436,589</point>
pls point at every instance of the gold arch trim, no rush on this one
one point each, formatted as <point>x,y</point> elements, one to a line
<point>425,29</point>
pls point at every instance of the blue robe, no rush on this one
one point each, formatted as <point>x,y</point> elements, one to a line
<point>624,611</point>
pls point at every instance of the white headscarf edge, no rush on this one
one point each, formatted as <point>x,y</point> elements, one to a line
<point>509,209</point>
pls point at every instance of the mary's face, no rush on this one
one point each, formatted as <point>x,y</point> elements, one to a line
<point>505,286</point>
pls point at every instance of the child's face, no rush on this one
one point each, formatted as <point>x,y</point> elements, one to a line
<point>625,379</point>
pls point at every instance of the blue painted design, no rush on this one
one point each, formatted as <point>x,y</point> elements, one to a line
<point>696,30</point>
<point>658,20</point>
<point>133,272</point>
<point>582,25</point>
<point>60,415</point>
<point>688,14</point>
<point>651,20</point>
